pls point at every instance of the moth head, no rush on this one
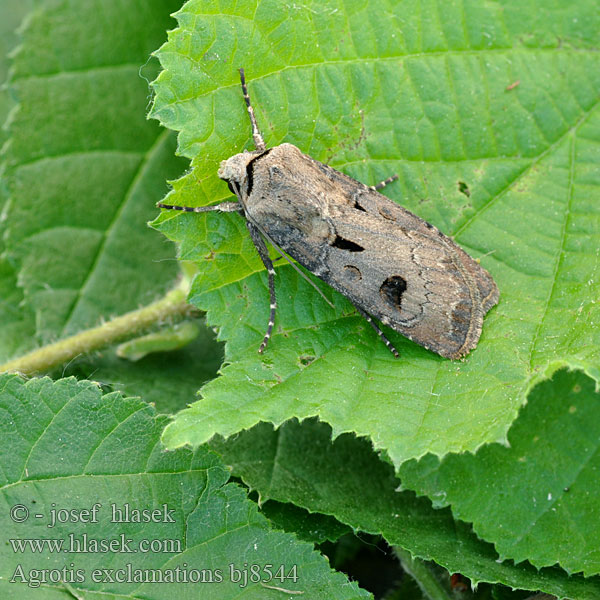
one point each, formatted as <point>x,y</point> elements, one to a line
<point>234,170</point>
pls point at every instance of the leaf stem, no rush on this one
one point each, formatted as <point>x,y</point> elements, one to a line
<point>50,356</point>
<point>421,572</point>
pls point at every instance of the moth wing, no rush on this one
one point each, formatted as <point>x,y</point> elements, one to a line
<point>362,197</point>
<point>386,260</point>
<point>408,274</point>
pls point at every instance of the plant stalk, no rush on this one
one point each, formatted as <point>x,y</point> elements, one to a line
<point>47,357</point>
<point>420,571</point>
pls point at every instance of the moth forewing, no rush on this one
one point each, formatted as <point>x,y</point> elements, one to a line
<point>384,259</point>
<point>388,262</point>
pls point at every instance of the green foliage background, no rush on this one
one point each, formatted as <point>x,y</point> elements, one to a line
<point>489,114</point>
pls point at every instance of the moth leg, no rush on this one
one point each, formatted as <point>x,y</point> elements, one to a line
<point>383,183</point>
<point>261,248</point>
<point>380,333</point>
<point>223,207</point>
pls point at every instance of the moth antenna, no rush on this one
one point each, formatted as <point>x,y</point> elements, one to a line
<point>259,143</point>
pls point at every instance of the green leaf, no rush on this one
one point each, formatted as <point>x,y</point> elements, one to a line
<point>536,498</point>
<point>84,167</point>
<point>167,339</point>
<point>83,449</point>
<point>488,113</point>
<point>16,324</point>
<point>311,527</point>
<point>16,321</point>
<point>426,574</point>
<point>168,380</point>
<point>11,14</point>
<point>133,263</point>
<point>299,463</point>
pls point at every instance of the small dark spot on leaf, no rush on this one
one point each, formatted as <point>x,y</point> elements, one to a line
<point>463,188</point>
<point>306,360</point>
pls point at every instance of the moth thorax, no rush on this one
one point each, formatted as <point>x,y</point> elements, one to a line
<point>235,168</point>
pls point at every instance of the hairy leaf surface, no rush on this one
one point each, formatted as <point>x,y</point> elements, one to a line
<point>536,498</point>
<point>82,449</point>
<point>299,463</point>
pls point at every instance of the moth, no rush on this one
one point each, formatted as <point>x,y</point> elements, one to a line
<point>391,264</point>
